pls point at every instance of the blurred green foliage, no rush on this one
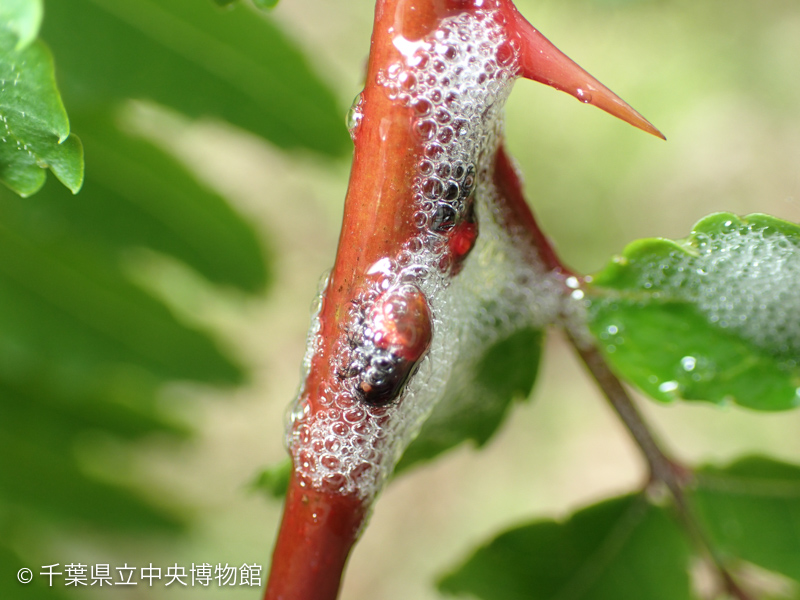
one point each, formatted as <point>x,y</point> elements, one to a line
<point>620,549</point>
<point>750,509</point>
<point>200,60</point>
<point>22,18</point>
<point>262,4</point>
<point>85,352</point>
<point>632,548</point>
<point>717,77</point>
<point>274,481</point>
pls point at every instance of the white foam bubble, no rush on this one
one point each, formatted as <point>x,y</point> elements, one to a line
<point>743,279</point>
<point>456,87</point>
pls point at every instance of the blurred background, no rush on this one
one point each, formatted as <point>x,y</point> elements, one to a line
<point>153,338</point>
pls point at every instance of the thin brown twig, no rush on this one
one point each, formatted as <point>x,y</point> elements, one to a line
<point>661,467</point>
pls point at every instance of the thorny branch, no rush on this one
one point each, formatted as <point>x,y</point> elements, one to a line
<point>325,510</point>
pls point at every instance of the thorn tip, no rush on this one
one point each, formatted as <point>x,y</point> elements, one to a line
<point>541,61</point>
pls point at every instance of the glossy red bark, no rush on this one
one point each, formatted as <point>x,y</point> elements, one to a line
<point>311,552</point>
<point>316,535</point>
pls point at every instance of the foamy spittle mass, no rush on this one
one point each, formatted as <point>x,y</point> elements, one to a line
<point>455,82</point>
<point>743,278</point>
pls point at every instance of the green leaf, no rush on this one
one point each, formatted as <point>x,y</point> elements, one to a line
<point>10,563</point>
<point>122,407</point>
<point>199,60</point>
<point>274,481</point>
<point>138,196</point>
<point>266,4</point>
<point>712,317</point>
<point>35,132</point>
<point>22,18</point>
<point>262,4</point>
<point>751,510</point>
<point>478,396</point>
<point>620,549</point>
<point>83,351</point>
<point>63,311</point>
<point>45,481</point>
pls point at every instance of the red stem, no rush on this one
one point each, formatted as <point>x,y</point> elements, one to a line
<point>319,529</point>
<point>316,535</point>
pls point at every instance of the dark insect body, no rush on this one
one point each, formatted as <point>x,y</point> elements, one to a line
<point>400,328</point>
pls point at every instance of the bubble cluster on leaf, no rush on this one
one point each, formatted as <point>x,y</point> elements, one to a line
<point>742,276</point>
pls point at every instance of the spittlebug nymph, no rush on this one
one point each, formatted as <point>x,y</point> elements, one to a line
<point>398,330</point>
<point>454,217</point>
